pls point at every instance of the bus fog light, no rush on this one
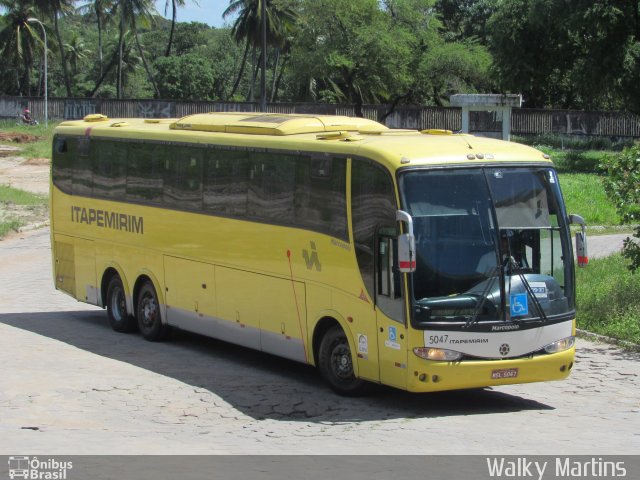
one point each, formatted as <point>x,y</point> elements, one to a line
<point>440,354</point>
<point>560,345</point>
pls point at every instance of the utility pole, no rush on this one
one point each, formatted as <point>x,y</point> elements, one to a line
<point>263,76</point>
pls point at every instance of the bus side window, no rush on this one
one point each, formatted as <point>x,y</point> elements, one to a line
<point>272,187</point>
<point>62,163</point>
<point>60,145</point>
<point>109,168</point>
<point>144,173</point>
<point>182,177</point>
<point>82,182</point>
<point>388,272</point>
<point>373,204</point>
<point>320,196</point>
<point>226,182</point>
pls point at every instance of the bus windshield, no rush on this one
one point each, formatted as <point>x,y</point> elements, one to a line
<point>491,245</point>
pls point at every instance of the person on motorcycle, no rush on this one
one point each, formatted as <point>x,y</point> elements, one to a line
<point>26,117</point>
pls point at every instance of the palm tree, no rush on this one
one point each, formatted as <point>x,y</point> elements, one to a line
<point>174,13</point>
<point>280,17</point>
<point>103,11</point>
<point>76,51</point>
<point>19,39</point>
<point>129,11</point>
<point>53,9</point>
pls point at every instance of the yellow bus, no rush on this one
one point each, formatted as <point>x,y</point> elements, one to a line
<point>421,260</point>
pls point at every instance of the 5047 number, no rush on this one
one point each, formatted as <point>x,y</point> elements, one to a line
<point>437,339</point>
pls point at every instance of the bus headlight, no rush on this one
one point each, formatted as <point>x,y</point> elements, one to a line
<point>439,354</point>
<point>560,345</point>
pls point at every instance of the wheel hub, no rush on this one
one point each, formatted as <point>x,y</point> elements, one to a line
<point>342,362</point>
<point>148,311</point>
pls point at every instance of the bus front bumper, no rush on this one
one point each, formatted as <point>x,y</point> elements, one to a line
<point>430,376</point>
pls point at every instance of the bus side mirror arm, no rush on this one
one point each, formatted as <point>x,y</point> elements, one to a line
<point>406,244</point>
<point>581,240</point>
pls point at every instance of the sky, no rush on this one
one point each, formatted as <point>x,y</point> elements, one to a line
<point>204,11</point>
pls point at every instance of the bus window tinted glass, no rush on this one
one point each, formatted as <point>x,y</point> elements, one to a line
<point>144,173</point>
<point>226,182</point>
<point>271,187</point>
<point>183,177</point>
<point>320,201</point>
<point>109,168</point>
<point>82,172</point>
<point>62,164</point>
<point>373,205</point>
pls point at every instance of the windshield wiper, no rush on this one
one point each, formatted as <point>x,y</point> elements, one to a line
<point>473,319</point>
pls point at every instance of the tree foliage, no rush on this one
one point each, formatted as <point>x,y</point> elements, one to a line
<point>578,54</point>
<point>622,184</point>
<point>572,54</point>
<point>188,76</point>
<point>348,52</point>
<point>18,42</point>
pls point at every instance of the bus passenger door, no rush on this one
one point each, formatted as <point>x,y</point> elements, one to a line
<point>390,311</point>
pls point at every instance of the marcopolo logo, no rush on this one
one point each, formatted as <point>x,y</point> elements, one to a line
<point>37,469</point>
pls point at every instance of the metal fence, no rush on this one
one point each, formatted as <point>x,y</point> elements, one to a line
<point>523,121</point>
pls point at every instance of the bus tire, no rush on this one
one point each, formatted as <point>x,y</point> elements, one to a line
<point>149,315</point>
<point>119,319</point>
<point>336,364</point>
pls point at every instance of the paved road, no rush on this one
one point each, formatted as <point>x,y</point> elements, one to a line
<point>69,385</point>
<point>603,245</point>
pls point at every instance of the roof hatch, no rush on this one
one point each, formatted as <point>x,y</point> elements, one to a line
<point>274,123</point>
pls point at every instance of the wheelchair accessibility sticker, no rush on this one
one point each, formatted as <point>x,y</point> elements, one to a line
<point>392,341</point>
<point>519,304</point>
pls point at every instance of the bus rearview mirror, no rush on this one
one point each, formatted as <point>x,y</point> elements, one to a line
<point>407,253</point>
<point>581,249</point>
<point>406,244</point>
<point>581,240</point>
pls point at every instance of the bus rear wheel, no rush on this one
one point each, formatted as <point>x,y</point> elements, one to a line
<point>119,319</point>
<point>336,364</point>
<point>149,315</point>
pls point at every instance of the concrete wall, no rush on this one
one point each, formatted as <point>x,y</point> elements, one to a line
<point>523,121</point>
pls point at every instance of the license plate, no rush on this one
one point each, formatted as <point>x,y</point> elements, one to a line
<point>504,373</point>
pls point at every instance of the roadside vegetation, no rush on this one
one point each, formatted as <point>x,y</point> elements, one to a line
<point>601,185</point>
<point>608,298</point>
<point>16,135</point>
<point>578,161</point>
<point>17,208</point>
<point>584,194</point>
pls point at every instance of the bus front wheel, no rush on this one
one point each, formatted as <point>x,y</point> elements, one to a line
<point>336,364</point>
<point>119,319</point>
<point>149,315</point>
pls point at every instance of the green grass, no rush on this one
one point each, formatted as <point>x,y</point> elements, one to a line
<point>585,195</point>
<point>38,149</point>
<point>20,197</point>
<point>10,197</point>
<point>38,130</point>
<point>575,161</point>
<point>608,299</point>
<point>10,225</point>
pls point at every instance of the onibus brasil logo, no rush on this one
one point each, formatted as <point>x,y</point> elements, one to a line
<point>35,469</point>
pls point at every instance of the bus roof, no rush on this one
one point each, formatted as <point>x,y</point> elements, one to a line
<point>313,133</point>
